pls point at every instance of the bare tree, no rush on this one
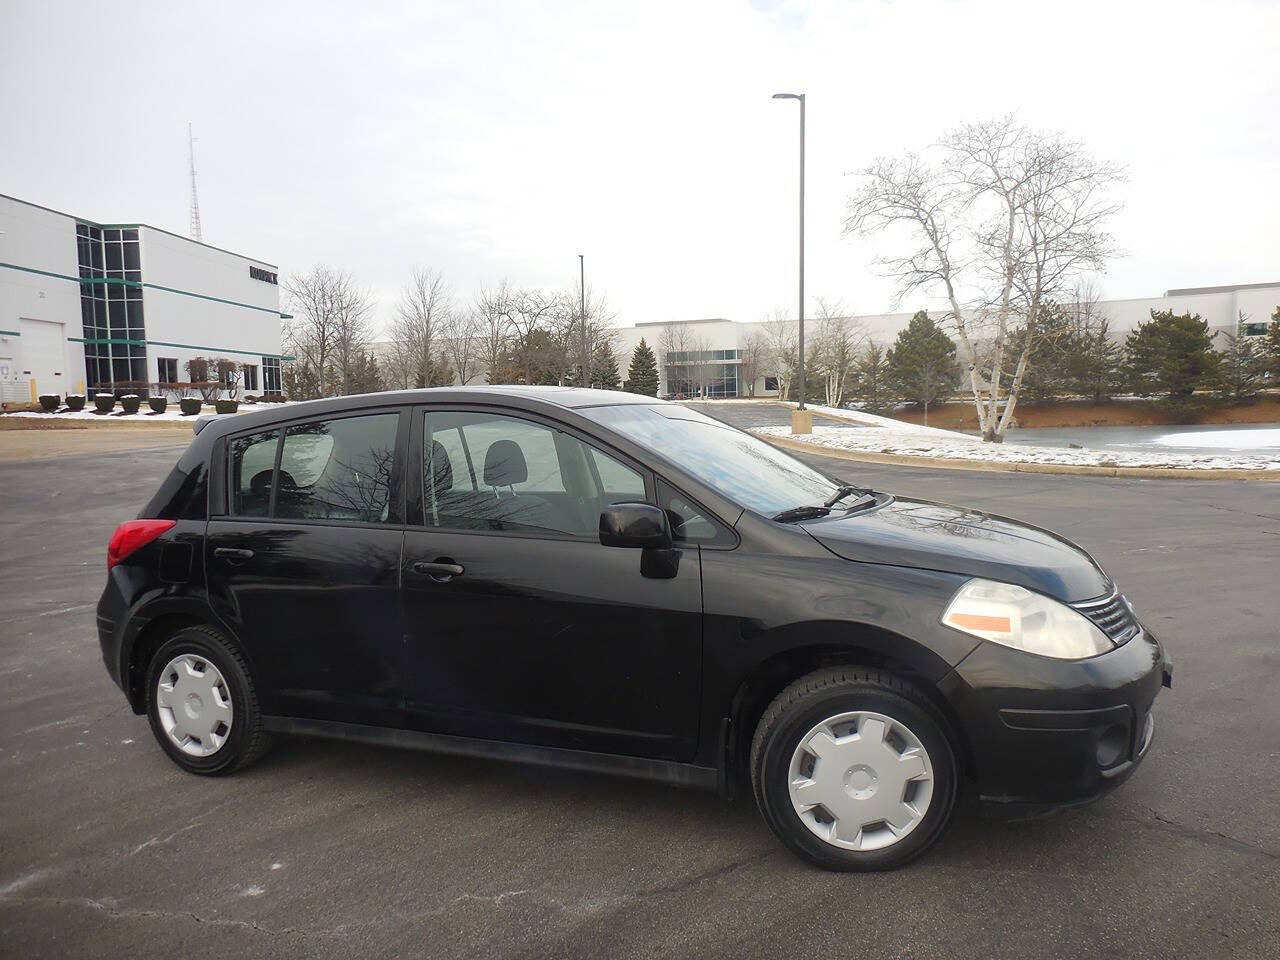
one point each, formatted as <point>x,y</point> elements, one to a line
<point>426,304</point>
<point>780,359</point>
<point>531,311</point>
<point>494,329</point>
<point>352,328</point>
<point>462,333</point>
<point>330,326</point>
<point>674,349</point>
<point>1015,214</point>
<point>583,345</point>
<point>751,360</point>
<point>310,332</point>
<point>835,349</point>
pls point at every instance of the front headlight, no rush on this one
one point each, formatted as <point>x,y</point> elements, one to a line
<point>1015,617</point>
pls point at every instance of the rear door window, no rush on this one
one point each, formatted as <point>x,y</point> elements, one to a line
<point>338,469</point>
<point>252,461</point>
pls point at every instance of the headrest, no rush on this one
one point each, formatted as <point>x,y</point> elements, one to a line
<point>504,464</point>
<point>441,469</point>
<point>260,483</point>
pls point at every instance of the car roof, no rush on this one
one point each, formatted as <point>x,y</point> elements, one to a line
<point>573,398</point>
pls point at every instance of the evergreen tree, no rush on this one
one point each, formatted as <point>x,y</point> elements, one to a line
<point>1172,356</point>
<point>1242,366</point>
<point>642,375</point>
<point>921,364</point>
<point>364,376</point>
<point>1097,363</point>
<point>604,368</point>
<point>870,379</point>
<point>1271,348</point>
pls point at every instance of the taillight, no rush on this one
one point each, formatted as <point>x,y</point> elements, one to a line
<point>133,535</point>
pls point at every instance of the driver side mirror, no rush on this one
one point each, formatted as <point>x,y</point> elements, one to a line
<point>635,525</point>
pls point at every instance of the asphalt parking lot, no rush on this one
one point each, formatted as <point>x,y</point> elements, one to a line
<point>325,849</point>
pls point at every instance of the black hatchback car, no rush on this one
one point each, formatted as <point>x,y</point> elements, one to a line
<point>610,582</point>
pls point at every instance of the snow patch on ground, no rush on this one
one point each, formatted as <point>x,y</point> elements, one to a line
<point>943,444</point>
<point>1228,439</point>
<point>144,415</point>
<point>874,420</point>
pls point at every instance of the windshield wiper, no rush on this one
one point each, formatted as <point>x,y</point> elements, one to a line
<point>800,513</point>
<point>845,490</point>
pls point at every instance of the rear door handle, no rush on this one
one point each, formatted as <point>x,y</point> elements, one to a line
<point>232,554</point>
<point>439,570</point>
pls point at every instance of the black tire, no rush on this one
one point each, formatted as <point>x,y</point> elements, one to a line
<point>247,741</point>
<point>827,693</point>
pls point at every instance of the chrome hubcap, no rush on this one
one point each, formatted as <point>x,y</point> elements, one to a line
<point>860,780</point>
<point>194,705</point>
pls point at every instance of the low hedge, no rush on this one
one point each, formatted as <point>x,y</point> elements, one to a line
<point>130,403</point>
<point>226,406</point>
<point>190,406</point>
<point>75,402</point>
<point>158,404</point>
<point>105,402</point>
<point>50,402</point>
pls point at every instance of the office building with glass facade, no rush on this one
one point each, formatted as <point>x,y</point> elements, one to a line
<point>88,307</point>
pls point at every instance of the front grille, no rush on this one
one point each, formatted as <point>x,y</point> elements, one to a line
<point>1113,617</point>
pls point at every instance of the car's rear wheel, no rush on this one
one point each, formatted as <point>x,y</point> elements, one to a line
<point>853,769</point>
<point>202,703</point>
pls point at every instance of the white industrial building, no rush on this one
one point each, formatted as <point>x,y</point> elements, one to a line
<point>714,346</point>
<point>88,306</point>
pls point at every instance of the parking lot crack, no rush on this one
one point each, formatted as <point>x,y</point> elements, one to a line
<point>1212,838</point>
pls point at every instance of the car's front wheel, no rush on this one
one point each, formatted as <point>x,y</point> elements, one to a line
<point>202,703</point>
<point>853,770</point>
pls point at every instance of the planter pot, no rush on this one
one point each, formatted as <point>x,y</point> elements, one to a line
<point>189,406</point>
<point>226,406</point>
<point>75,402</point>
<point>158,404</point>
<point>105,402</point>
<point>50,402</point>
<point>130,403</point>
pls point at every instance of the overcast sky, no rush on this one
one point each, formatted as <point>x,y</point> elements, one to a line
<point>494,140</point>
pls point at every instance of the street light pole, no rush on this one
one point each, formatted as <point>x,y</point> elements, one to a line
<point>582,291</point>
<point>800,337</point>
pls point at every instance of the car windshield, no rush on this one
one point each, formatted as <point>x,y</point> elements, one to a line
<point>745,469</point>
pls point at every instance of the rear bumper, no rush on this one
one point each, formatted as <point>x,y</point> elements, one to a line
<point>1049,734</point>
<point>111,619</point>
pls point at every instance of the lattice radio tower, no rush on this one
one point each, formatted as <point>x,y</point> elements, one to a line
<point>195,200</point>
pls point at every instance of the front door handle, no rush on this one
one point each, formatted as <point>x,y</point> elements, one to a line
<point>441,569</point>
<point>232,554</point>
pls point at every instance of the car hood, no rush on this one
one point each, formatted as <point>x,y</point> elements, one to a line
<point>916,533</point>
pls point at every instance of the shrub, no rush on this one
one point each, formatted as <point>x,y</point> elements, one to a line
<point>75,402</point>
<point>190,406</point>
<point>130,403</point>
<point>226,406</point>
<point>105,402</point>
<point>50,402</point>
<point>158,404</point>
<point>250,398</point>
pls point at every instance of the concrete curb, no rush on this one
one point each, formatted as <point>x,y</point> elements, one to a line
<point>1140,473</point>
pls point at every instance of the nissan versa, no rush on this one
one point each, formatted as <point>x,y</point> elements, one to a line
<point>609,582</point>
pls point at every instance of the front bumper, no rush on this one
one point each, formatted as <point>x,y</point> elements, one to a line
<point>1045,734</point>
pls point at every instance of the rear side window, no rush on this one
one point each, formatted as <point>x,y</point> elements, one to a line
<point>253,459</point>
<point>338,469</point>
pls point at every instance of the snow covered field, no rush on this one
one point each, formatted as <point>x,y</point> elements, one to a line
<point>909,440</point>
